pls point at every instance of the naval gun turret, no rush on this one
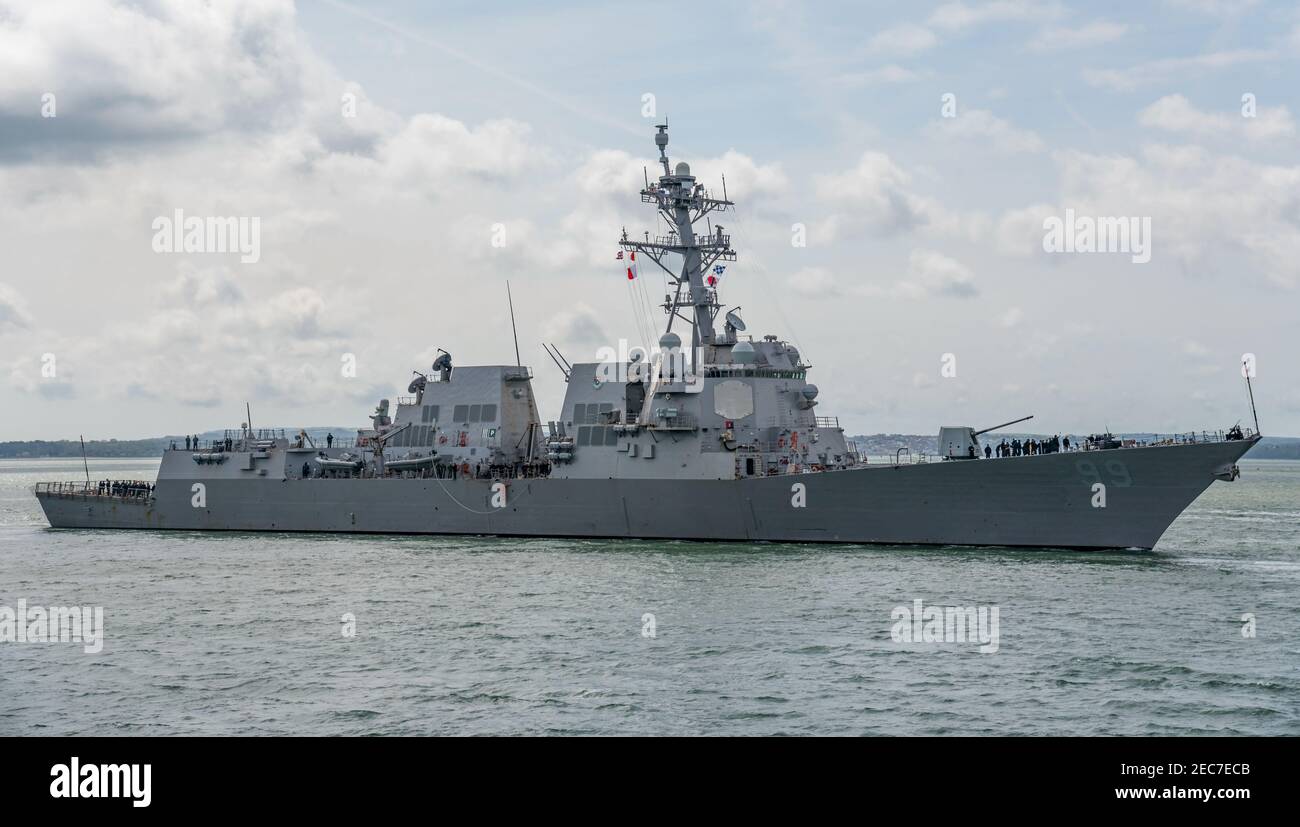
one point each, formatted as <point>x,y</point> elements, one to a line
<point>962,442</point>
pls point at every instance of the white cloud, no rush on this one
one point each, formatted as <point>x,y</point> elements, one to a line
<point>932,273</point>
<point>813,281</point>
<point>901,41</point>
<point>1020,231</point>
<point>430,148</point>
<point>929,274</point>
<point>195,287</point>
<point>208,344</point>
<point>1210,214</point>
<point>892,73</point>
<point>878,195</point>
<point>1223,213</point>
<point>254,129</point>
<point>577,330</point>
<point>1177,68</point>
<point>960,15</point>
<point>13,309</point>
<point>746,178</point>
<point>1215,8</point>
<point>982,124</point>
<point>144,73</point>
<point>1174,113</point>
<point>1012,317</point>
<point>1062,38</point>
<point>610,173</point>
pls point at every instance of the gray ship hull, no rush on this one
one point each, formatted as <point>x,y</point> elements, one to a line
<point>1040,501</point>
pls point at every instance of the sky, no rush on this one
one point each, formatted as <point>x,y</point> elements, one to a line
<point>896,169</point>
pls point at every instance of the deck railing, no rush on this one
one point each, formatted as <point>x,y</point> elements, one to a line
<point>899,458</point>
<point>129,490</point>
<point>1185,438</point>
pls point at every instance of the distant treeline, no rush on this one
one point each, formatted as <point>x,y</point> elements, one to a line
<point>1276,448</point>
<point>95,448</point>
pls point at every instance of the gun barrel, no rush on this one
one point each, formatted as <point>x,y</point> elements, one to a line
<point>387,435</point>
<point>1005,424</point>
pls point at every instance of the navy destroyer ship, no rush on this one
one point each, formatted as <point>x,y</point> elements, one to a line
<point>712,438</point>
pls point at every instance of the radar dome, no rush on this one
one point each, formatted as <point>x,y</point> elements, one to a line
<point>683,168</point>
<point>743,353</point>
<point>809,392</point>
<point>670,341</point>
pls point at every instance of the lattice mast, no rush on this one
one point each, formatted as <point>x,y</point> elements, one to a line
<point>683,203</point>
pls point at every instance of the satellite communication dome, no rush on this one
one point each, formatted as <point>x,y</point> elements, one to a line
<point>743,353</point>
<point>670,341</point>
<point>809,392</point>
